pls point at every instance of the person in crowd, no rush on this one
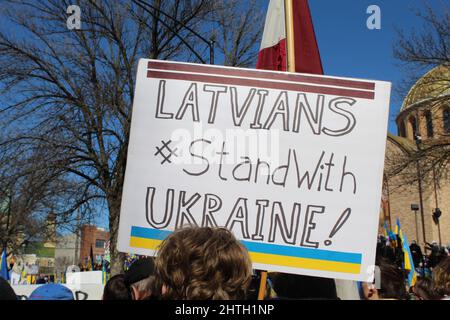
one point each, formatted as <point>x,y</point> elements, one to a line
<point>116,289</point>
<point>423,289</point>
<point>399,254</point>
<point>202,264</point>
<point>140,278</point>
<point>433,257</point>
<point>441,279</point>
<point>51,291</point>
<point>300,287</point>
<point>385,249</point>
<point>6,292</point>
<point>416,253</point>
<point>442,254</point>
<point>392,286</point>
<point>42,279</point>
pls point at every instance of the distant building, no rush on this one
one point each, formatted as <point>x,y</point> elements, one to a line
<point>54,253</point>
<point>66,252</point>
<point>50,231</point>
<point>420,117</point>
<point>43,248</point>
<point>44,255</point>
<point>95,238</point>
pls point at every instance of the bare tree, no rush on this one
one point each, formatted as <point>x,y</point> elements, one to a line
<point>238,30</point>
<point>420,51</point>
<point>67,94</point>
<point>34,199</point>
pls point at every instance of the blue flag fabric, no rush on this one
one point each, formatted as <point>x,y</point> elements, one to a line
<point>409,262</point>
<point>4,267</point>
<point>398,228</point>
<point>386,230</point>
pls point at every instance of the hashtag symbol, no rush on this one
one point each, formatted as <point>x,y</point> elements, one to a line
<point>165,151</point>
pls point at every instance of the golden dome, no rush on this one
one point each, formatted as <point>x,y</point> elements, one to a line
<point>433,84</point>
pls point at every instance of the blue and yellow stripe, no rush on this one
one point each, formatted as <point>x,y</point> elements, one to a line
<point>266,253</point>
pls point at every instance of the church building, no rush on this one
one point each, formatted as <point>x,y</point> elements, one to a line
<point>416,186</point>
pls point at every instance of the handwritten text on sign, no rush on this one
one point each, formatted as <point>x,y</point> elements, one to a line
<point>291,163</point>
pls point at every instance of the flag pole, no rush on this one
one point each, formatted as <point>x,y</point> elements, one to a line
<point>262,286</point>
<point>288,10</point>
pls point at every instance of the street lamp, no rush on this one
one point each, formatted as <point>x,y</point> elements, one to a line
<point>418,139</point>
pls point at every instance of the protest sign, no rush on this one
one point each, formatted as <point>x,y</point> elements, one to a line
<point>291,163</point>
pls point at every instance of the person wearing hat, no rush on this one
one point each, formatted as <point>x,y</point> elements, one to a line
<point>140,278</point>
<point>52,291</point>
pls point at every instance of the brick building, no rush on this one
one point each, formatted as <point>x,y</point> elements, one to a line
<point>423,122</point>
<point>95,238</point>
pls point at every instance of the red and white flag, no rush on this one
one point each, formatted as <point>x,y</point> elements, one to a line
<point>273,52</point>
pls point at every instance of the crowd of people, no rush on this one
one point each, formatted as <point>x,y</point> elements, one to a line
<point>211,264</point>
<point>424,263</point>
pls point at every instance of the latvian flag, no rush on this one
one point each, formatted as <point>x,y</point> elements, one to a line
<point>273,52</point>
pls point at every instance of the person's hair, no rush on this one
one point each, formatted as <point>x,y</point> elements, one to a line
<point>146,286</point>
<point>202,263</point>
<point>116,289</point>
<point>441,278</point>
<point>393,284</point>
<point>424,288</point>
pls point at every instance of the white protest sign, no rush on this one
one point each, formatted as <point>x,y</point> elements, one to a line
<point>87,277</point>
<point>291,163</point>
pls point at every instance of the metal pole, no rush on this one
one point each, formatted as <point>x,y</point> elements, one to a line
<point>439,232</point>
<point>417,226</point>
<point>437,205</point>
<point>388,203</point>
<point>77,239</point>
<point>419,175</point>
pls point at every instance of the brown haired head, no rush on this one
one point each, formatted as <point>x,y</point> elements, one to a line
<point>441,278</point>
<point>202,263</point>
<point>423,289</point>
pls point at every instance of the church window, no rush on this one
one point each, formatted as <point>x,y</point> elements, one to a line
<point>402,129</point>
<point>429,120</point>
<point>413,122</point>
<point>446,118</point>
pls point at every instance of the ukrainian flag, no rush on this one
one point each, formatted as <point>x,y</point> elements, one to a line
<point>409,262</point>
<point>393,239</point>
<point>386,232</point>
<point>397,227</point>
